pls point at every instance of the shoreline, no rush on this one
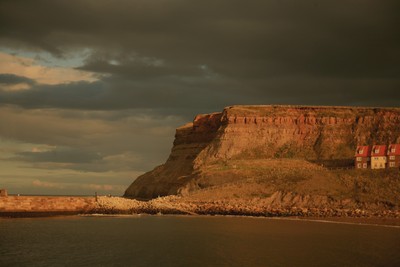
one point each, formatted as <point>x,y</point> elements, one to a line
<point>370,221</point>
<point>39,206</point>
<point>36,214</point>
<point>362,221</point>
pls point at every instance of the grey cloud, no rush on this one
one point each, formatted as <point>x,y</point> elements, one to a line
<point>59,156</point>
<point>14,79</point>
<point>71,95</point>
<point>135,67</point>
<point>85,160</point>
<point>88,141</point>
<point>287,52</point>
<point>237,39</point>
<point>168,95</point>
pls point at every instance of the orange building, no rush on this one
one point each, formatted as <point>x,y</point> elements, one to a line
<point>393,154</point>
<point>363,157</point>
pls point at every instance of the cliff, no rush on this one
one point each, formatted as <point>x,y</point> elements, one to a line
<point>243,143</point>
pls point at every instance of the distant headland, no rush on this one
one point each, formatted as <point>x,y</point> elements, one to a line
<point>294,160</point>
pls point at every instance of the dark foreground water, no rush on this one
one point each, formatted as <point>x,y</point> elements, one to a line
<point>193,241</point>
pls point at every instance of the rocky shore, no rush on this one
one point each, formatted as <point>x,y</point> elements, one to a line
<point>179,205</point>
<point>307,209</point>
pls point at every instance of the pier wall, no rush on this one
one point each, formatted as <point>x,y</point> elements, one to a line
<point>45,204</point>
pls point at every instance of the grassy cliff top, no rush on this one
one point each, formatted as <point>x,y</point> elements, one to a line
<point>281,110</point>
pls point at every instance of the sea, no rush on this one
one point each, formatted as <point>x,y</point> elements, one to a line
<point>160,240</point>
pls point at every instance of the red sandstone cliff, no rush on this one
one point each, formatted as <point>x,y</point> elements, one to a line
<point>326,135</point>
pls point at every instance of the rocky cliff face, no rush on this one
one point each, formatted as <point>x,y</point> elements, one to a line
<point>315,134</point>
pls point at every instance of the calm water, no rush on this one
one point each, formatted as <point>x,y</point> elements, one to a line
<point>193,241</point>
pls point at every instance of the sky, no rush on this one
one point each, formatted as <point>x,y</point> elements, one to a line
<point>91,91</point>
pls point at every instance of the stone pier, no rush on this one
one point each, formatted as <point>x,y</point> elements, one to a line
<point>31,205</point>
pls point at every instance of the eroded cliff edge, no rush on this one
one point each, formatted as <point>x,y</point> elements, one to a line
<point>260,150</point>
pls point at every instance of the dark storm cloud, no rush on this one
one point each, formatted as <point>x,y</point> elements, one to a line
<point>104,96</point>
<point>71,95</point>
<point>174,97</point>
<point>203,55</point>
<point>14,79</point>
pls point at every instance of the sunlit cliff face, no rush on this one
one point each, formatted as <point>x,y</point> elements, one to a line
<point>91,91</point>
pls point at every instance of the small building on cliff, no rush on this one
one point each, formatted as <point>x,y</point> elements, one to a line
<point>393,154</point>
<point>363,157</point>
<point>378,157</point>
<point>3,193</point>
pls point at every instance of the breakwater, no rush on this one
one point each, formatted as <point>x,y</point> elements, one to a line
<point>26,206</point>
